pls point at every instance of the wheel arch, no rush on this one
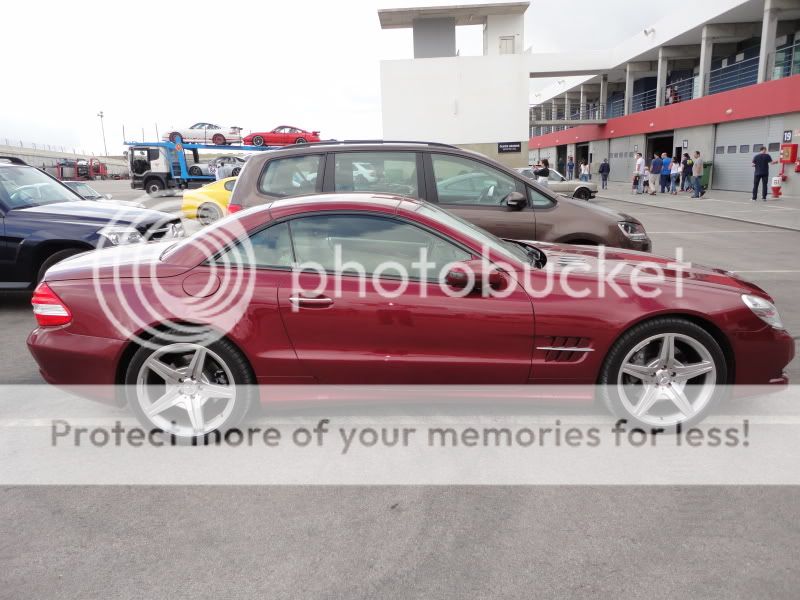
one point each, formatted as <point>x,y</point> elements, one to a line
<point>700,320</point>
<point>43,250</point>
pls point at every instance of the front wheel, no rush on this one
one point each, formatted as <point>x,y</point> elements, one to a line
<point>154,187</point>
<point>663,373</point>
<point>189,388</point>
<point>258,141</point>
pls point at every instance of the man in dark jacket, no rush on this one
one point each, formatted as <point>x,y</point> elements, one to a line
<point>604,170</point>
<point>686,172</point>
<point>761,163</point>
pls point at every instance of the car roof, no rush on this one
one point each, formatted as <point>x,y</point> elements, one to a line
<point>360,199</point>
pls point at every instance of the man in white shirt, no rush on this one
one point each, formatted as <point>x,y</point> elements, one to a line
<point>639,172</point>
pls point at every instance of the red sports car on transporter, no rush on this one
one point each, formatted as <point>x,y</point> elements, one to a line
<point>298,291</point>
<point>283,135</point>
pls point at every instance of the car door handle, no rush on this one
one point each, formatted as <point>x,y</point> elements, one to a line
<point>317,302</point>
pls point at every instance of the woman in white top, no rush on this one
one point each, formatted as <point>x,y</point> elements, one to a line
<point>674,175</point>
<point>584,171</point>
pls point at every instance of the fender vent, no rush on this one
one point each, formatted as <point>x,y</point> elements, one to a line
<point>574,348</point>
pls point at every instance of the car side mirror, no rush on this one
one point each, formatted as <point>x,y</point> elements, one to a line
<point>474,274</point>
<point>516,201</point>
<point>107,196</point>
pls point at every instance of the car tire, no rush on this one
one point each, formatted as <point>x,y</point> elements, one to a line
<point>582,194</point>
<point>235,172</point>
<point>300,140</point>
<point>645,371</point>
<point>195,171</point>
<point>218,140</point>
<point>258,140</point>
<point>181,414</point>
<point>175,137</point>
<point>208,213</point>
<point>154,188</point>
<point>54,258</point>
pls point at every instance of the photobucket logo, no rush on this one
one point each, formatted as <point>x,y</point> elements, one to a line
<point>583,274</point>
<point>145,296</point>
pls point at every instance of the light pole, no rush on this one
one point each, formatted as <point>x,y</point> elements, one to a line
<point>103,129</point>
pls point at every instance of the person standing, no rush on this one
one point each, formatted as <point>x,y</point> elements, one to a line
<point>655,173</point>
<point>674,175</point>
<point>542,173</point>
<point>584,171</point>
<point>686,172</point>
<point>638,173</point>
<point>570,167</point>
<point>604,171</point>
<point>697,175</point>
<point>561,165</point>
<point>761,163</point>
<point>666,169</point>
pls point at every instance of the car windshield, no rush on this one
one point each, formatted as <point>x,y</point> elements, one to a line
<point>486,239</point>
<point>84,190</point>
<point>23,187</point>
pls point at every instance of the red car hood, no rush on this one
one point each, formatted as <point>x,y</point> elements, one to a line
<point>587,260</point>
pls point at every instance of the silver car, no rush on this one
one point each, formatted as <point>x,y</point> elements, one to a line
<point>582,190</point>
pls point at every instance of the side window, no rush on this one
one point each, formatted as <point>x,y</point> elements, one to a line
<point>370,243</point>
<point>270,247</point>
<point>229,185</point>
<point>489,186</point>
<point>292,176</point>
<point>539,200</point>
<point>389,172</point>
<point>554,176</point>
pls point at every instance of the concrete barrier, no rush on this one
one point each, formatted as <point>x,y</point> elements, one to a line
<point>47,159</point>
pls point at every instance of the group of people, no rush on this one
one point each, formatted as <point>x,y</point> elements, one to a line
<point>584,172</point>
<point>669,175</point>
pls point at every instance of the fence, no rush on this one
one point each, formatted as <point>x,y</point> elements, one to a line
<point>643,101</point>
<point>731,77</point>
<point>786,61</point>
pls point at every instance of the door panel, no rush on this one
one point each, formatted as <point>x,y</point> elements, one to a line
<point>351,338</point>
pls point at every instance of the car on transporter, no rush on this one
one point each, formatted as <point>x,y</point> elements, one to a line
<point>42,222</point>
<point>469,184</point>
<point>297,292</point>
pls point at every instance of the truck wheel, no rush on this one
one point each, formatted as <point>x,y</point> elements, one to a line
<point>55,258</point>
<point>154,187</point>
<point>258,141</point>
<point>218,139</point>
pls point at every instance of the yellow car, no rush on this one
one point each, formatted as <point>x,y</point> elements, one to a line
<point>208,203</point>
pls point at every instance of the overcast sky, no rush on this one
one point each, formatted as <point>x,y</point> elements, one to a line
<point>312,63</point>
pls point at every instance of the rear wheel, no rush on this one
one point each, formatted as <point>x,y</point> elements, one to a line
<point>189,388</point>
<point>218,139</point>
<point>582,194</point>
<point>208,213</point>
<point>258,141</point>
<point>300,140</point>
<point>54,258</point>
<point>195,170</point>
<point>236,171</point>
<point>175,137</point>
<point>663,373</point>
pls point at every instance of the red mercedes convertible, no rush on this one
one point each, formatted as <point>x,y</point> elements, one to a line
<point>380,289</point>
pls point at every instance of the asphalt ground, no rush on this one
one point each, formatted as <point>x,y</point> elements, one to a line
<point>418,541</point>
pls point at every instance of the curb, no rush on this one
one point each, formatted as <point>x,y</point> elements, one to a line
<point>694,212</point>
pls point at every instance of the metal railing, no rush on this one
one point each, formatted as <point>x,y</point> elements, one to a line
<point>577,112</point>
<point>733,76</point>
<point>786,61</point>
<point>643,101</point>
<point>679,91</point>
<point>616,108</point>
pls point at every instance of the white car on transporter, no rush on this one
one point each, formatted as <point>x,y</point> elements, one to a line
<point>206,133</point>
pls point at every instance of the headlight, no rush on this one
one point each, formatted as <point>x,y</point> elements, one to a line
<point>120,236</point>
<point>764,310</point>
<point>174,230</point>
<point>633,231</point>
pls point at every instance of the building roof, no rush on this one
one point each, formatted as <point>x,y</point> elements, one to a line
<point>464,14</point>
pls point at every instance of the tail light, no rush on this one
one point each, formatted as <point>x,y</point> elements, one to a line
<point>233,208</point>
<point>48,308</point>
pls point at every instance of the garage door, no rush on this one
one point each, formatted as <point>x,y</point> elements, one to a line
<point>621,159</point>
<point>735,146</point>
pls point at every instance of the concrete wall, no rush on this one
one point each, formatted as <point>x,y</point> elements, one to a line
<point>498,26</point>
<point>434,37</point>
<point>598,150</point>
<point>47,159</point>
<point>700,138</point>
<point>458,100</point>
<point>509,159</point>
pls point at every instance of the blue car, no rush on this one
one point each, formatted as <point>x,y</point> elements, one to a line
<point>42,222</point>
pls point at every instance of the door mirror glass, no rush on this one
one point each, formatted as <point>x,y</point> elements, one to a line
<point>473,274</point>
<point>515,201</point>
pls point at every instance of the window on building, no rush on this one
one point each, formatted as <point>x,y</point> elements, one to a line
<point>731,149</point>
<point>720,150</point>
<point>774,147</point>
<point>507,44</point>
<point>756,148</point>
<point>745,148</point>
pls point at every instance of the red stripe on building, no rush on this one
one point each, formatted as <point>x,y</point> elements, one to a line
<point>765,99</point>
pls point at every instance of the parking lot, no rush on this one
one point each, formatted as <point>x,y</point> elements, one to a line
<point>419,542</point>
